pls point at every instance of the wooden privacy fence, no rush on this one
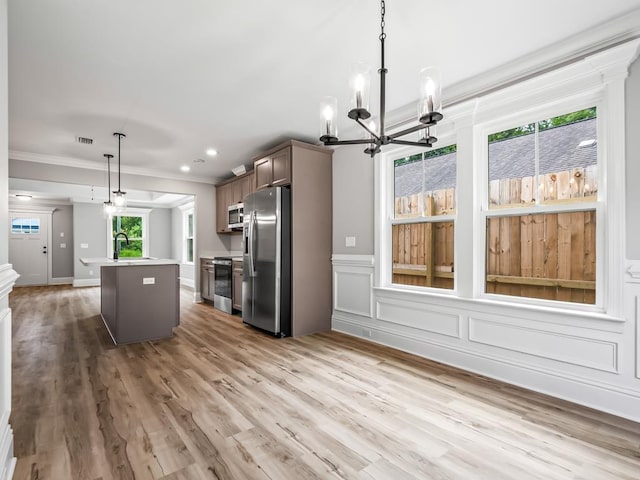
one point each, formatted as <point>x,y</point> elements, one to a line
<point>550,256</point>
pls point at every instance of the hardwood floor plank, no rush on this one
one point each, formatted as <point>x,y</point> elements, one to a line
<point>221,400</point>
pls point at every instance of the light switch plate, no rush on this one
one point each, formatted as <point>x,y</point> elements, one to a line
<point>349,241</point>
<point>148,280</point>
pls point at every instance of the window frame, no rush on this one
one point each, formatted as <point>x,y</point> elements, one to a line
<point>390,158</point>
<point>186,212</point>
<point>130,212</point>
<point>600,76</point>
<point>541,112</point>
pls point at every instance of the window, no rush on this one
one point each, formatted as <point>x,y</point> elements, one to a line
<point>188,234</point>
<point>541,215</point>
<point>134,223</point>
<point>424,211</point>
<point>25,225</point>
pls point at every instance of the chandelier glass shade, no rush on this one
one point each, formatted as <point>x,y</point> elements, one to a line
<point>429,107</point>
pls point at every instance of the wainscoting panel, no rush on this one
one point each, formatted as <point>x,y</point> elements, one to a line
<point>352,284</point>
<point>561,347</point>
<point>433,319</point>
<point>7,461</point>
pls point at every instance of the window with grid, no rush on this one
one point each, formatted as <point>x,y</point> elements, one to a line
<point>188,233</point>
<point>424,215</point>
<point>133,227</point>
<point>542,205</point>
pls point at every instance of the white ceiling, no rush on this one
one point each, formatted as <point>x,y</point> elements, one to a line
<point>68,193</point>
<point>179,77</point>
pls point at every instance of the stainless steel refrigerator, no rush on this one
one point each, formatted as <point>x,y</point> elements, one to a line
<point>266,281</point>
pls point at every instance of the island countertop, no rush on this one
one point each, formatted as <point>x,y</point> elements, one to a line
<point>127,261</point>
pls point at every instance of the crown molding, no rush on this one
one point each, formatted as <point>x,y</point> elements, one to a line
<point>89,165</point>
<point>573,49</point>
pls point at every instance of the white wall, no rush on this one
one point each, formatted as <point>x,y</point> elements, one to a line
<point>89,241</point>
<point>633,161</point>
<point>62,258</point>
<point>7,275</point>
<point>353,191</point>
<point>592,359</point>
<point>160,234</point>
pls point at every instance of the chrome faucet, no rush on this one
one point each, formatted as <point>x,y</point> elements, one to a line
<point>115,243</point>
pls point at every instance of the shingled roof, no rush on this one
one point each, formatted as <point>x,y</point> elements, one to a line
<point>510,158</point>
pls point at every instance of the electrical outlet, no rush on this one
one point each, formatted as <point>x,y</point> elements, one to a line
<point>84,245</point>
<point>149,280</point>
<point>62,234</point>
<point>63,245</point>
<point>350,242</point>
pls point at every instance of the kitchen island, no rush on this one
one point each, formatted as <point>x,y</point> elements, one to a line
<point>140,298</point>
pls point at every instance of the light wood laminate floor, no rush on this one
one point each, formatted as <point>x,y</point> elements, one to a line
<point>222,400</point>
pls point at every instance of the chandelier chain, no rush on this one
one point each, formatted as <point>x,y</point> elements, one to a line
<point>382,12</point>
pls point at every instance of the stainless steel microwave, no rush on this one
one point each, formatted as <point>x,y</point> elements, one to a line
<point>235,216</point>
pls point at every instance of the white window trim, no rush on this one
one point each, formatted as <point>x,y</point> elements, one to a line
<point>187,210</point>
<point>130,212</point>
<point>599,78</point>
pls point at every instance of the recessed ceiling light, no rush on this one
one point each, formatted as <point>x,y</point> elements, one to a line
<point>24,198</point>
<point>212,152</point>
<point>185,168</point>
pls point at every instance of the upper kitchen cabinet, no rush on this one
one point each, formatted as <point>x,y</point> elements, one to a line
<point>223,197</point>
<point>274,169</point>
<point>231,192</point>
<point>241,187</point>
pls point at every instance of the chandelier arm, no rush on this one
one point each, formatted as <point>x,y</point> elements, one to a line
<point>348,142</point>
<point>407,131</point>
<point>376,137</point>
<point>407,142</point>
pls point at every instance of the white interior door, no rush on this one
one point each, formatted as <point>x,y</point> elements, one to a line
<point>28,247</point>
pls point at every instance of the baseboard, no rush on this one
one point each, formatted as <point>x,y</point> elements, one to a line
<point>188,282</point>
<point>608,398</point>
<point>86,282</point>
<point>197,297</point>
<point>61,281</point>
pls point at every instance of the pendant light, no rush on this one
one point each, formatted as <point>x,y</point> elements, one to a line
<point>109,207</point>
<point>119,198</point>
<point>429,107</point>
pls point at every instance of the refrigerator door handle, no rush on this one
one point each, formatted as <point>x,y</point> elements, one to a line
<point>251,240</point>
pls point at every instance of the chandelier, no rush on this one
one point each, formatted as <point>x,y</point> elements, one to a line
<point>429,107</point>
<point>119,198</point>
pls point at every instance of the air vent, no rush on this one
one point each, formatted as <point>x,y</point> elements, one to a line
<point>85,140</point>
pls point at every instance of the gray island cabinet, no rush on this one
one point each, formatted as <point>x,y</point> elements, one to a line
<point>140,301</point>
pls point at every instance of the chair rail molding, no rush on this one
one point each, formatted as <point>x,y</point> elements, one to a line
<point>8,279</point>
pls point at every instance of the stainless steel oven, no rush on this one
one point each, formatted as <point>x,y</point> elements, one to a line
<point>223,274</point>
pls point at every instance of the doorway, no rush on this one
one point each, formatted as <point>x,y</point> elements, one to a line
<point>29,246</point>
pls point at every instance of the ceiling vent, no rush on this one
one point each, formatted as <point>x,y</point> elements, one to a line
<point>85,140</point>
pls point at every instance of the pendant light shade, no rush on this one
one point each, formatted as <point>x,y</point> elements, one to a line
<point>108,207</point>
<point>118,195</point>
